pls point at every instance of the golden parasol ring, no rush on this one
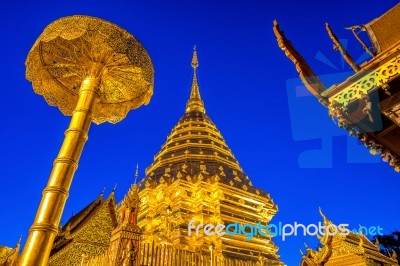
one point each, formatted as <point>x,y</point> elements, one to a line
<point>76,47</point>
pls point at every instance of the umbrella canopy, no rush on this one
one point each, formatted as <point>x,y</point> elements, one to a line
<point>74,48</point>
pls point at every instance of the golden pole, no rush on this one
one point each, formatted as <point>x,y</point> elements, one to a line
<point>45,226</point>
<point>95,71</point>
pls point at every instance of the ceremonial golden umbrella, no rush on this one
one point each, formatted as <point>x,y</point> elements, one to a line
<point>95,71</point>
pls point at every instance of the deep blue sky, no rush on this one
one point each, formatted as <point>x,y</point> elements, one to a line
<point>243,79</point>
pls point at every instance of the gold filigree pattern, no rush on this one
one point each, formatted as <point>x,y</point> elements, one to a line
<point>90,236</point>
<point>371,79</point>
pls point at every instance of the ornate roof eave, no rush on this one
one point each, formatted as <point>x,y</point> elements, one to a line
<point>377,148</point>
<point>357,90</point>
<point>381,57</point>
<point>374,75</point>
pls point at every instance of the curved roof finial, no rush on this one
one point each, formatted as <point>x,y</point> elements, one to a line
<point>307,76</point>
<point>137,172</point>
<point>114,188</point>
<point>326,221</point>
<point>102,192</point>
<point>195,102</point>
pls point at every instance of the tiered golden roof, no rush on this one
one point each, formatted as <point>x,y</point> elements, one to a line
<point>196,150</point>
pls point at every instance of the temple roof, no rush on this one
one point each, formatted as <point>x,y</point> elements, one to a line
<point>66,234</point>
<point>4,254</point>
<point>384,31</point>
<point>8,255</point>
<point>350,249</point>
<point>195,149</point>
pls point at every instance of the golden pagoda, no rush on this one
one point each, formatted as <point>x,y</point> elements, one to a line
<point>366,104</point>
<point>353,249</point>
<point>194,178</point>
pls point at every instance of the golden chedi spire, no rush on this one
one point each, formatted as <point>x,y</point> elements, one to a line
<point>195,103</point>
<point>195,176</point>
<point>196,150</point>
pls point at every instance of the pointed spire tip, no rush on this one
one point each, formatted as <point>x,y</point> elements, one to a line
<point>195,61</point>
<point>195,102</point>
<point>137,172</point>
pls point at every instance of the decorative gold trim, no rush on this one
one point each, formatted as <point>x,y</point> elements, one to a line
<point>372,80</point>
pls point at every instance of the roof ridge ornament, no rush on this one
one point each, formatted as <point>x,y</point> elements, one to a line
<point>326,220</point>
<point>195,103</point>
<point>136,172</point>
<point>307,75</point>
<point>337,45</point>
